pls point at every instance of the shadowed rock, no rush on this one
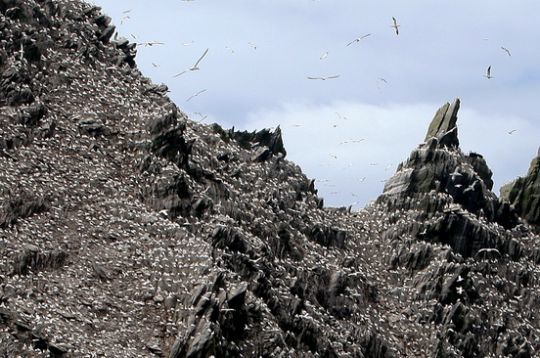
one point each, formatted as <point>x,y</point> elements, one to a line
<point>20,206</point>
<point>524,194</point>
<point>31,258</point>
<point>441,182</point>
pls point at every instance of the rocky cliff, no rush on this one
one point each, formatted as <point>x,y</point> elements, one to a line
<point>128,230</point>
<point>524,193</point>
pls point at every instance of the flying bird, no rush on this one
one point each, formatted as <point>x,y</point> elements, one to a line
<point>323,78</point>
<point>196,65</point>
<point>180,74</point>
<point>203,118</point>
<point>150,43</point>
<point>323,56</point>
<point>358,39</point>
<point>252,45</point>
<point>506,50</point>
<point>340,116</point>
<point>488,73</point>
<point>124,18</point>
<point>511,131</point>
<point>455,174</point>
<point>195,95</point>
<point>395,25</point>
<point>352,141</point>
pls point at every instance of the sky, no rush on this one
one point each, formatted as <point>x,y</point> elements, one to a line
<point>349,132</point>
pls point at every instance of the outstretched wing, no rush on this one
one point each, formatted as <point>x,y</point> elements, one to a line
<point>179,74</point>
<point>200,59</point>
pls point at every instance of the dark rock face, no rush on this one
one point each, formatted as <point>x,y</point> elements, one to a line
<point>446,184</point>
<point>31,258</point>
<point>20,206</point>
<point>327,236</point>
<point>268,143</point>
<point>524,194</point>
<point>168,140</point>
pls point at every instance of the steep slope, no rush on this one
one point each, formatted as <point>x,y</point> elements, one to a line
<point>128,230</point>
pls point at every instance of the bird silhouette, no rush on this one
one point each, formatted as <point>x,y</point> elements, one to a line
<point>395,25</point>
<point>488,73</point>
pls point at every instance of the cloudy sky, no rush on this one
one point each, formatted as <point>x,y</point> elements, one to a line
<point>350,132</point>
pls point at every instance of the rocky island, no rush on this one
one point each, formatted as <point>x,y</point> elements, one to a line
<point>128,230</point>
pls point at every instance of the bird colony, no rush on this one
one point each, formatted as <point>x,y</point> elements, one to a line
<point>129,230</point>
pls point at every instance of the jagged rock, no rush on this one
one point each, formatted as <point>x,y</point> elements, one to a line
<point>226,237</point>
<point>438,165</point>
<point>107,33</point>
<point>102,20</point>
<point>201,205</point>
<point>262,154</point>
<point>32,114</point>
<point>92,126</point>
<point>18,96</point>
<point>158,125</point>
<point>328,236</point>
<point>446,187</point>
<point>21,205</point>
<point>238,296</point>
<point>273,141</point>
<point>284,244</point>
<point>458,287</point>
<point>376,347</point>
<point>444,124</point>
<point>32,258</point>
<point>100,272</point>
<point>524,194</point>
<point>171,193</point>
<point>413,258</point>
<point>481,168</point>
<point>160,90</point>
<point>171,145</point>
<point>173,224</point>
